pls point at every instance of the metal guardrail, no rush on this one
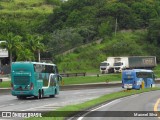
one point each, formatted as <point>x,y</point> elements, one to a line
<point>72,74</point>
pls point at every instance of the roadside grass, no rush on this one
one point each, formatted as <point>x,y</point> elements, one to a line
<point>5,84</point>
<point>71,110</point>
<point>79,80</point>
<point>91,79</point>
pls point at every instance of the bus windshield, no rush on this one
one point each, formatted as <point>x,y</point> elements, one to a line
<point>144,74</point>
<point>118,64</point>
<point>104,64</point>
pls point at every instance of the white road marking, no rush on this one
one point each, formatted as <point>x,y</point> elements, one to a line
<point>110,103</point>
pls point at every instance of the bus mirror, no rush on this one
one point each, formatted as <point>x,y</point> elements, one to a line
<point>155,76</point>
<point>59,77</point>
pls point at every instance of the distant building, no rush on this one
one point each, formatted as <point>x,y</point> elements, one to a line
<point>4,61</point>
<point>64,0</point>
<point>3,55</point>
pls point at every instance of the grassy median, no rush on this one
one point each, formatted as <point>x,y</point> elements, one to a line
<point>92,79</point>
<point>79,80</point>
<point>70,110</point>
<point>5,84</point>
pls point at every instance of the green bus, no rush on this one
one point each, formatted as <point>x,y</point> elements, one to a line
<point>34,79</point>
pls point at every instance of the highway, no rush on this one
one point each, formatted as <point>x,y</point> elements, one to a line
<point>11,103</point>
<point>140,102</point>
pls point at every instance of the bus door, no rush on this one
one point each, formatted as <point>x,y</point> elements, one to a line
<point>145,82</point>
<point>53,84</point>
<point>149,82</point>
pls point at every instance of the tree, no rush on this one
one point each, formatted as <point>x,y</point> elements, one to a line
<point>154,31</point>
<point>143,11</point>
<point>12,44</point>
<point>119,11</point>
<point>34,44</point>
<point>65,39</point>
<point>105,29</point>
<point>25,55</point>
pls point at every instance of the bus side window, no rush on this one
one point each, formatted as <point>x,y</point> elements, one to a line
<point>56,69</point>
<point>53,70</point>
<point>52,81</point>
<point>48,69</point>
<point>43,69</point>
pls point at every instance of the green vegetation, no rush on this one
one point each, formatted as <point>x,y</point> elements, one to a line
<point>127,28</point>
<point>99,17</point>
<point>125,43</point>
<point>92,79</point>
<point>80,80</point>
<point>72,109</point>
<point>19,24</point>
<point>5,84</point>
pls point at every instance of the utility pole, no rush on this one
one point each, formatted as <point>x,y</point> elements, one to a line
<point>116,27</point>
<point>39,56</point>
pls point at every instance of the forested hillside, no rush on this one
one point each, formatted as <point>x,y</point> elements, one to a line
<point>127,27</point>
<point>20,22</point>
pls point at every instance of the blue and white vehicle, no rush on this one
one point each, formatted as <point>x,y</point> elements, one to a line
<point>134,79</point>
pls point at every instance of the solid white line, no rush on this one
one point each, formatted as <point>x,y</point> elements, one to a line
<point>110,103</point>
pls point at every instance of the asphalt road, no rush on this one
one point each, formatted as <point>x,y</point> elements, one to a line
<point>11,103</point>
<point>124,106</point>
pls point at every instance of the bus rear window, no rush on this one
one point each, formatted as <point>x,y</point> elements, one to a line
<point>19,67</point>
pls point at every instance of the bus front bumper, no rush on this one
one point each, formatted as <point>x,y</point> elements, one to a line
<point>128,86</point>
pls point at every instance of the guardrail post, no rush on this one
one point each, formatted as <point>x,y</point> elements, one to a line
<point>67,75</point>
<point>97,75</point>
<point>84,74</point>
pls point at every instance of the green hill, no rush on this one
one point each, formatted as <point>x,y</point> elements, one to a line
<point>87,59</point>
<point>24,19</point>
<point>127,27</point>
<point>23,16</point>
